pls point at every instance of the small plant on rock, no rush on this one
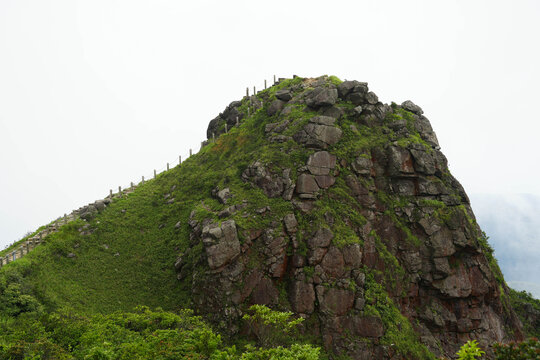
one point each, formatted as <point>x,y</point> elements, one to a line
<point>470,351</point>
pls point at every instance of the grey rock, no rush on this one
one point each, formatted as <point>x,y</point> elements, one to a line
<point>442,243</point>
<point>291,225</point>
<point>322,238</point>
<point>88,212</point>
<point>358,110</point>
<point>275,107</point>
<point>224,195</point>
<point>284,94</point>
<point>399,161</point>
<point>100,205</point>
<point>412,107</point>
<point>306,184</point>
<point>316,255</point>
<point>279,138</point>
<point>357,98</point>
<point>346,87</point>
<point>371,98</point>
<point>221,243</point>
<point>321,96</point>
<point>359,303</point>
<point>422,125</point>
<point>272,185</point>
<point>412,260</point>
<point>321,162</point>
<point>430,225</point>
<point>442,266</point>
<point>404,187</point>
<point>423,162</point>
<point>456,285</point>
<point>325,181</point>
<point>323,120</point>
<point>362,165</point>
<point>319,136</point>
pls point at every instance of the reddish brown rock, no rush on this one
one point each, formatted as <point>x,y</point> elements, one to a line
<point>302,297</point>
<point>316,255</point>
<point>265,293</point>
<point>399,161</point>
<point>333,263</point>
<point>352,255</point>
<point>337,301</point>
<point>368,326</point>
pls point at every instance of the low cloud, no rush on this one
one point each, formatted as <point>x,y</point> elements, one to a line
<point>512,223</point>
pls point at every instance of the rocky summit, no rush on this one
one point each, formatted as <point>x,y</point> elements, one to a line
<point>341,209</point>
<point>312,198</point>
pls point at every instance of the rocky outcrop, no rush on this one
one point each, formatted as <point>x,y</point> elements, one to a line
<point>365,233</point>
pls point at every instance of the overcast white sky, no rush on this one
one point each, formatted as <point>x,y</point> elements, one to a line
<point>94,94</point>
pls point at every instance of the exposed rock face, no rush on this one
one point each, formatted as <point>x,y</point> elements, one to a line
<point>366,219</point>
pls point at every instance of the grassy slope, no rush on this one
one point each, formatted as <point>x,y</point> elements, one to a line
<point>128,259</point>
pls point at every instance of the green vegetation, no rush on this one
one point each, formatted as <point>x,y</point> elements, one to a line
<point>470,351</point>
<point>399,333</point>
<point>73,296</point>
<point>525,350</point>
<point>525,306</point>
<point>142,334</point>
<point>271,327</point>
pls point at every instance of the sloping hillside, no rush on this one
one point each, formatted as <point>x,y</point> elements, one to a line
<point>310,196</point>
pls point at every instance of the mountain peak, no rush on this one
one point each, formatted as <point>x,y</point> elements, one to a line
<point>343,210</point>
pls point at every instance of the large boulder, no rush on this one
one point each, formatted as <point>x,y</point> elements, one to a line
<point>221,243</point>
<point>321,96</point>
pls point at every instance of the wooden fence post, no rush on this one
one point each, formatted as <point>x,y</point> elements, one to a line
<point>179,159</point>
<point>213,137</point>
<point>226,128</point>
<point>264,84</point>
<point>143,180</point>
<point>274,79</point>
<point>131,183</point>
<point>254,92</point>
<point>155,174</point>
<point>110,193</point>
<point>190,152</point>
<point>167,166</point>
<point>120,191</point>
<point>247,91</point>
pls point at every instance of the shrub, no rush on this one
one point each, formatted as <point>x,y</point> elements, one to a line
<point>525,350</point>
<point>470,351</point>
<point>271,327</point>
